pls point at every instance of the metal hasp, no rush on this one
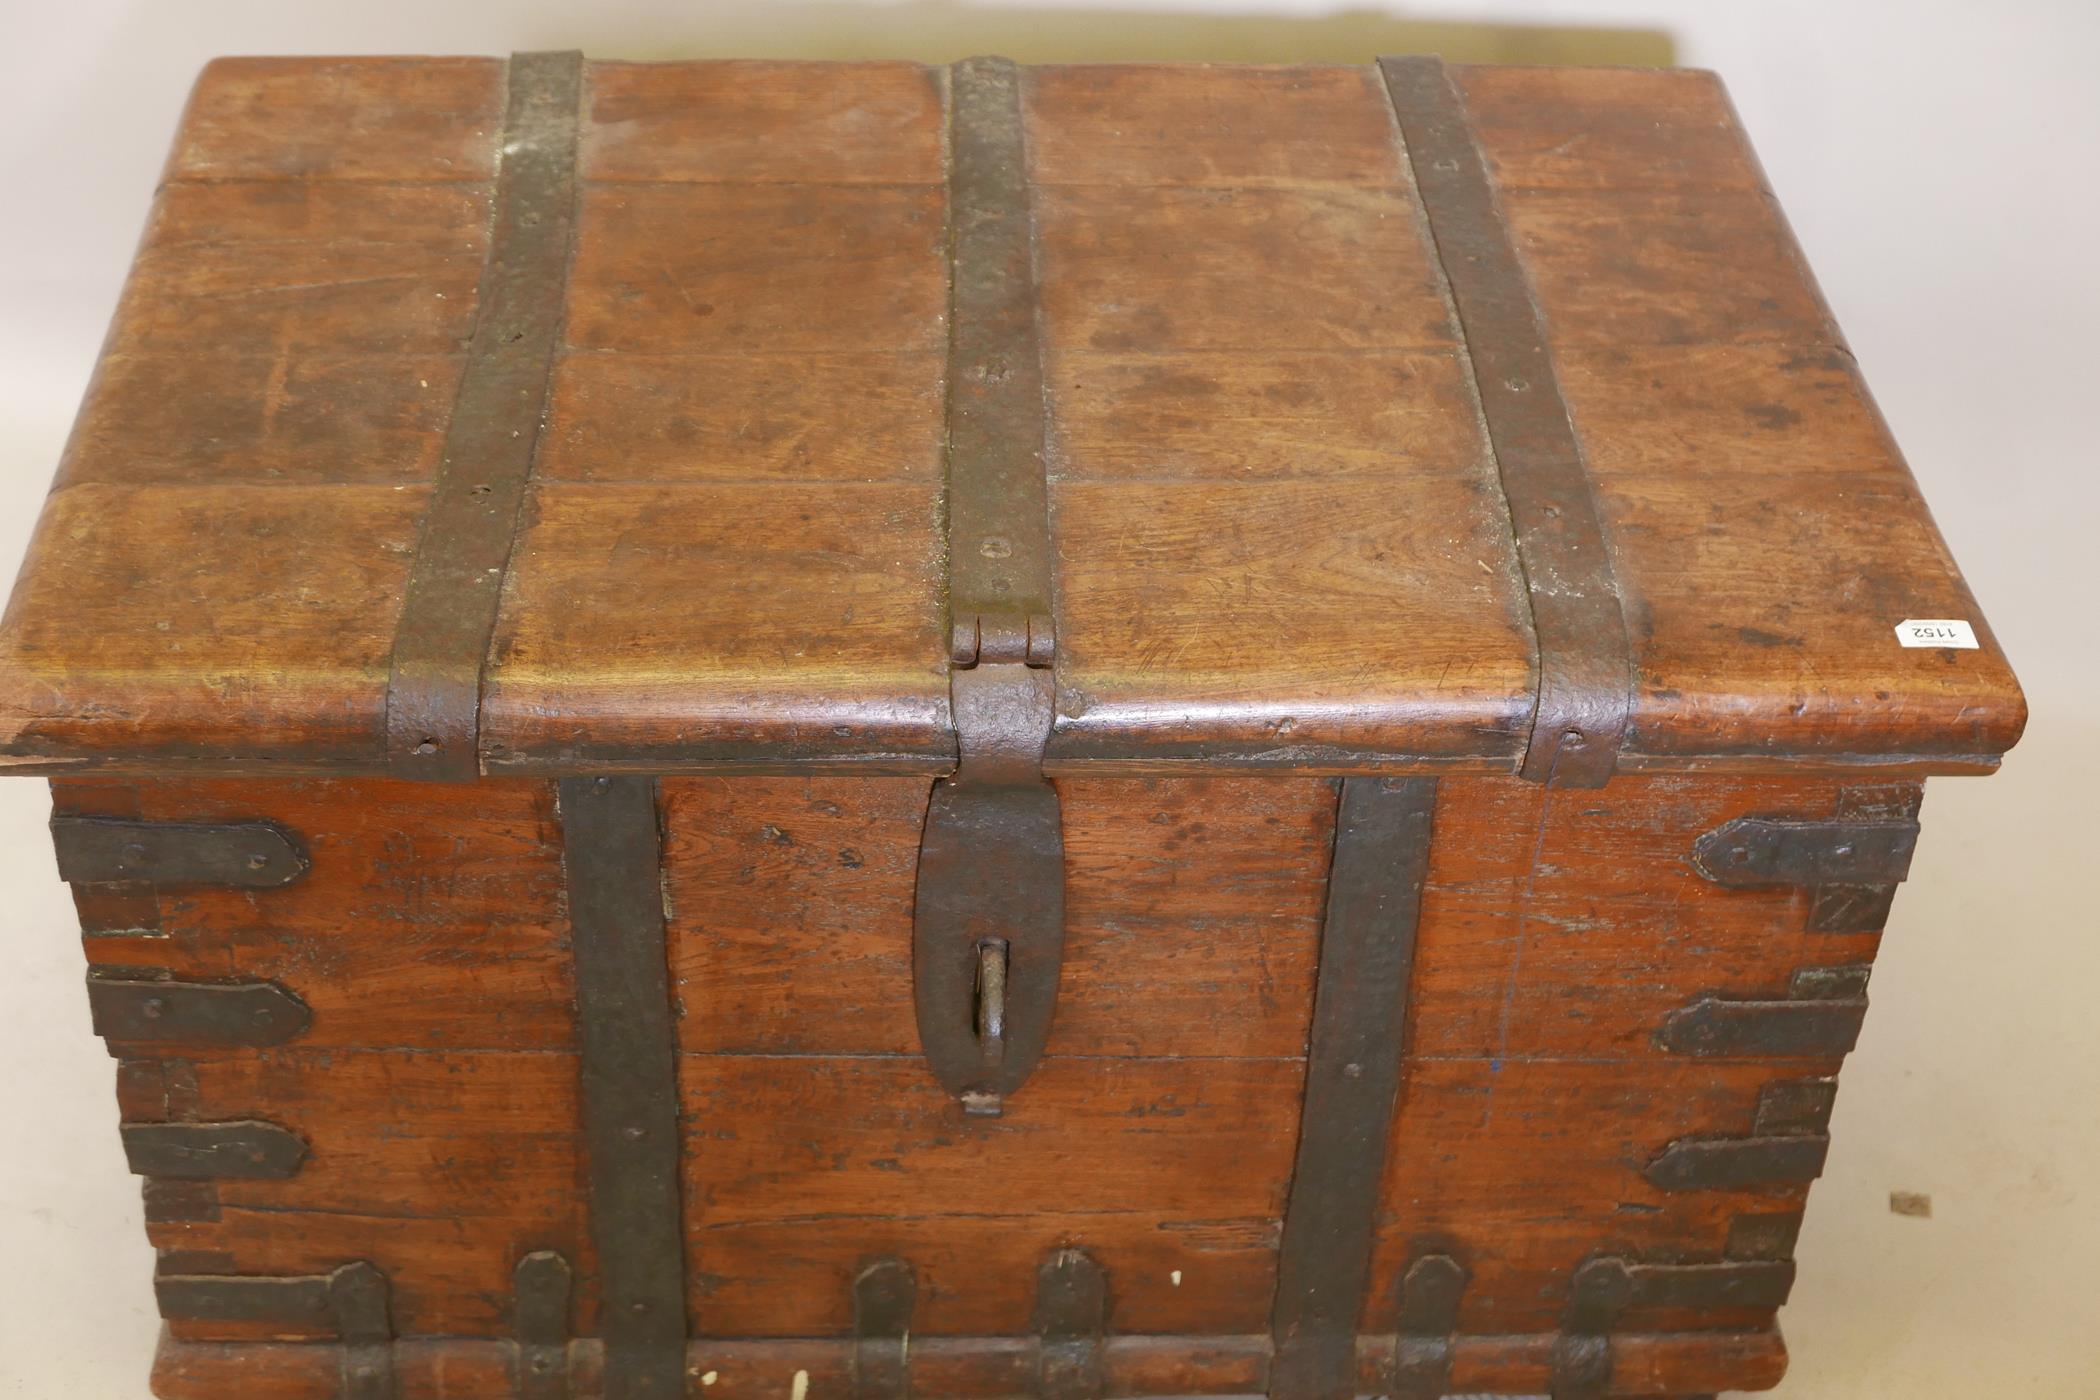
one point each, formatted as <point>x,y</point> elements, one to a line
<point>1585,667</point>
<point>1605,1288</point>
<point>120,851</point>
<point>1851,863</point>
<point>1430,1293</point>
<point>611,854</point>
<point>470,525</point>
<point>989,921</point>
<point>1352,1076</point>
<point>1820,1018</point>
<point>352,1303</point>
<point>1071,1313</point>
<point>884,1293</point>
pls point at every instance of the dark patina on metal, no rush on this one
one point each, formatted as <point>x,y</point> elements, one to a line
<point>147,1010</point>
<point>351,1302</point>
<point>358,1300</point>
<point>1605,1288</point>
<point>1585,669</point>
<point>1821,1018</point>
<point>1430,1292</point>
<point>1855,908</point>
<point>1788,1144</point>
<point>251,1150</point>
<point>988,926</point>
<point>1071,1314</point>
<point>470,525</point>
<point>1769,1236</point>
<point>611,856</point>
<point>120,851</point>
<point>1728,1164</point>
<point>540,1327</point>
<point>1352,1075</point>
<point>170,1201</point>
<point>884,1293</point>
<point>1750,852</point>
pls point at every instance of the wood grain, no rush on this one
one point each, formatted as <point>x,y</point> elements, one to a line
<point>1192,914</point>
<point>1278,534</point>
<point>755,122</point>
<point>1567,925</point>
<point>1184,124</point>
<point>976,1368</point>
<point>394,120</point>
<point>678,622</point>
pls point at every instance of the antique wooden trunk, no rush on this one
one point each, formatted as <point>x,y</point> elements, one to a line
<point>800,730</point>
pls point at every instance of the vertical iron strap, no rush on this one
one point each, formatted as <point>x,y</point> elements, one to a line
<point>611,855</point>
<point>358,1299</point>
<point>1582,1360</point>
<point>1071,1314</point>
<point>990,892</point>
<point>998,505</point>
<point>884,1293</point>
<point>1352,1077</point>
<point>1430,1292</point>
<point>433,704</point>
<point>541,1327</point>
<point>1585,666</point>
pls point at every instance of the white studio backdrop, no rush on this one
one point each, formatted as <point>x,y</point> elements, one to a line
<point>1936,160</point>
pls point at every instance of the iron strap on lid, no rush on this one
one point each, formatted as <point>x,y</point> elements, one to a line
<point>988,936</point>
<point>1585,668</point>
<point>448,615</point>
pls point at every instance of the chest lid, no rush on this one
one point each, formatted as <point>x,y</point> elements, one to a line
<point>462,415</point>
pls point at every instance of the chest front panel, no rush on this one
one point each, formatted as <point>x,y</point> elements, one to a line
<point>1601,1051</point>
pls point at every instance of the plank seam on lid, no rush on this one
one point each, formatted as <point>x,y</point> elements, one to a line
<point>1585,667</point>
<point>469,530</point>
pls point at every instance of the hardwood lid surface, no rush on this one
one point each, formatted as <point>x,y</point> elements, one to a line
<point>1279,534</point>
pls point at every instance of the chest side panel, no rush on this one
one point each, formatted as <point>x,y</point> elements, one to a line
<point>423,1055</point>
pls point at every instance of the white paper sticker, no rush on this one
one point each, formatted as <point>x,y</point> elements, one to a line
<point>1936,632</point>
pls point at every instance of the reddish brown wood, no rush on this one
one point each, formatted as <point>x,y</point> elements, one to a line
<point>1230,438</point>
<point>1280,544</point>
<point>968,1368</point>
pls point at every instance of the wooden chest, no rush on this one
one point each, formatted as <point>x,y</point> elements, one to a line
<point>755,730</point>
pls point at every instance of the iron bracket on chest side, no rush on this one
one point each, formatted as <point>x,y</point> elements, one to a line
<point>1820,1017</point>
<point>120,851</point>
<point>1852,861</point>
<point>353,1302</point>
